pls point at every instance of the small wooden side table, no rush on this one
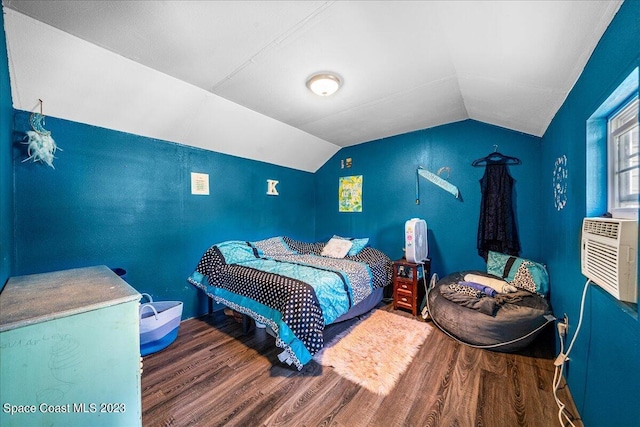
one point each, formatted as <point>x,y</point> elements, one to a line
<point>408,284</point>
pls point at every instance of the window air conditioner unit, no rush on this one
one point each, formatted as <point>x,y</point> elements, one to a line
<point>609,255</point>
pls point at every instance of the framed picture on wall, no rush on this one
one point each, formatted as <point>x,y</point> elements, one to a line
<point>350,194</point>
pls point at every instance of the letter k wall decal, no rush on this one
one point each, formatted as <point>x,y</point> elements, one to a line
<point>271,187</point>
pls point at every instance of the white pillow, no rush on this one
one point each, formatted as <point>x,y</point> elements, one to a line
<point>336,248</point>
<point>499,285</point>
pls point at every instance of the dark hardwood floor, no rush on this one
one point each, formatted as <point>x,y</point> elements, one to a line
<point>214,375</point>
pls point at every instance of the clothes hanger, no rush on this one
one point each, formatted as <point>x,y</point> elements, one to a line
<point>496,158</point>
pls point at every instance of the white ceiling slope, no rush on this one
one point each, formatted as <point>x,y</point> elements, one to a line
<point>230,75</point>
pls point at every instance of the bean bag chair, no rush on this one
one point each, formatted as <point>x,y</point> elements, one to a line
<point>511,325</point>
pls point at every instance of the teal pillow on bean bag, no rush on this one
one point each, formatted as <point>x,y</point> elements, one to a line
<point>519,272</point>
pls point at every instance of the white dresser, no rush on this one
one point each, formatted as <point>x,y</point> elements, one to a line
<point>70,350</point>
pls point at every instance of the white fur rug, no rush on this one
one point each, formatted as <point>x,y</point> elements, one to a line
<point>376,351</point>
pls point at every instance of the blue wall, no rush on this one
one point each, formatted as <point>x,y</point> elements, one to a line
<point>125,201</point>
<point>6,170</point>
<point>604,368</point>
<point>388,167</point>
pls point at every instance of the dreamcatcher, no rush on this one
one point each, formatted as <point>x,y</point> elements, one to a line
<point>40,145</point>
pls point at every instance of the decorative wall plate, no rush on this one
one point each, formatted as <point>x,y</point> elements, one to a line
<point>560,182</point>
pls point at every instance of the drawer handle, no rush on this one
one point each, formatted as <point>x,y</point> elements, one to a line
<point>404,299</point>
<point>404,286</point>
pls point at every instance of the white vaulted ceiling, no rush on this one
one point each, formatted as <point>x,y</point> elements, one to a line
<point>230,76</point>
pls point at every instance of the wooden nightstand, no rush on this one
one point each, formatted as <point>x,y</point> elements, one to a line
<point>408,284</point>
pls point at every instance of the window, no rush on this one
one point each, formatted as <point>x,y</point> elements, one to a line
<point>613,159</point>
<point>623,161</point>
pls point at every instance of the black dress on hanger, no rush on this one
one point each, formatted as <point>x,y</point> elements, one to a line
<point>497,229</point>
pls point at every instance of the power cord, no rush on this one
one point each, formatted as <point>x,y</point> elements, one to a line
<point>424,311</point>
<point>564,357</point>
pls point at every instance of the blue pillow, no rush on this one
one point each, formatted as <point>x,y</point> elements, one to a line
<point>274,246</point>
<point>237,251</point>
<point>519,272</point>
<point>357,244</point>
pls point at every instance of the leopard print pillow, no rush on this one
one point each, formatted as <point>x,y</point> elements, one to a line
<point>466,290</point>
<point>523,278</point>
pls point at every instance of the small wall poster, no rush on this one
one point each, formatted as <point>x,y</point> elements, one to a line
<point>350,194</point>
<point>200,183</point>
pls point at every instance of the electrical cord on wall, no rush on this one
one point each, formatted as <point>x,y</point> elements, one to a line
<point>562,359</point>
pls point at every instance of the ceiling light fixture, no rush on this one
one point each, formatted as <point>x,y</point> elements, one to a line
<point>324,84</point>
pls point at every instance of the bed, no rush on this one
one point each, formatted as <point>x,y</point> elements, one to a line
<point>294,288</point>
